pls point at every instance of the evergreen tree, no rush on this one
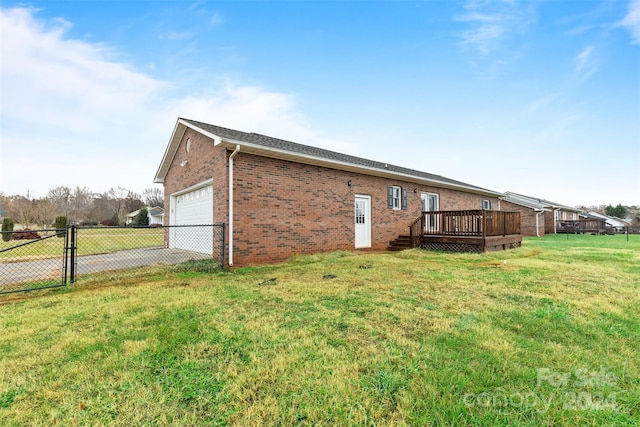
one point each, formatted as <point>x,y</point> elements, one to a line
<point>60,224</point>
<point>142,218</point>
<point>7,228</point>
<point>619,211</point>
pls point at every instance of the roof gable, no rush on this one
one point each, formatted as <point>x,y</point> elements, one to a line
<point>536,203</point>
<point>613,221</point>
<point>267,146</point>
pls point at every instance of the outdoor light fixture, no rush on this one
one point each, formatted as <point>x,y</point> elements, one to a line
<point>349,183</point>
<point>184,163</point>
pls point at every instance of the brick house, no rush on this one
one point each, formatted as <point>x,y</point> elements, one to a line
<point>538,216</point>
<point>288,198</point>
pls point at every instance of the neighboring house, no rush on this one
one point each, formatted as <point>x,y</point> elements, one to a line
<point>594,224</point>
<point>539,216</point>
<point>617,225</point>
<point>131,216</point>
<point>287,198</point>
<point>155,215</point>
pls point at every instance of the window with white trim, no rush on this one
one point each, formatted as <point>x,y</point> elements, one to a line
<point>486,204</point>
<point>397,198</point>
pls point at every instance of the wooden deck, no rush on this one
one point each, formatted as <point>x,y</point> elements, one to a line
<point>463,231</point>
<point>582,226</point>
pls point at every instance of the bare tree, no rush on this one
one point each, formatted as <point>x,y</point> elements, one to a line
<point>11,204</point>
<point>101,208</point>
<point>23,211</point>
<point>153,197</point>
<point>82,203</point>
<point>61,199</point>
<point>133,202</point>
<point>117,196</point>
<point>42,214</point>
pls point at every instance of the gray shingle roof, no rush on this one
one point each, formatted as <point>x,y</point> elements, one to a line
<point>307,150</point>
<point>534,202</point>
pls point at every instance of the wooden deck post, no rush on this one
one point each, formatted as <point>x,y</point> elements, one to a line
<point>484,230</point>
<point>411,237</point>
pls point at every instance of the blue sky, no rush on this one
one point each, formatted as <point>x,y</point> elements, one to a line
<point>536,97</point>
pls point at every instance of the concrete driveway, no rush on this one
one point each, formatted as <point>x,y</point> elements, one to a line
<point>40,270</point>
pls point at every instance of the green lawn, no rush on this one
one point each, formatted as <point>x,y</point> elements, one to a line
<point>544,335</point>
<point>90,241</point>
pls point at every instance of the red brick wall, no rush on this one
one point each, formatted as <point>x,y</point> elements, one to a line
<point>549,223</point>
<point>283,208</point>
<point>204,162</point>
<point>527,218</point>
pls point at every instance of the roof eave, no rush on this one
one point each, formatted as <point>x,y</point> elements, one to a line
<point>250,148</point>
<point>524,205</point>
<point>172,148</point>
<point>182,125</point>
<point>544,204</point>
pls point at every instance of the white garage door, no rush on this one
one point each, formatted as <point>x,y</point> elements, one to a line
<point>193,208</point>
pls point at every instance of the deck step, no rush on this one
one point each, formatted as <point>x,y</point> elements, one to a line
<point>399,244</point>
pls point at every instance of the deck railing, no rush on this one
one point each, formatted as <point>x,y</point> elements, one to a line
<point>478,223</point>
<point>582,225</point>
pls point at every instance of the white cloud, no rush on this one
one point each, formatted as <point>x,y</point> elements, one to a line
<point>73,115</point>
<point>489,22</point>
<point>216,19</point>
<point>540,104</point>
<point>50,80</point>
<point>485,34</point>
<point>253,109</point>
<point>585,64</point>
<point>198,6</point>
<point>175,35</point>
<point>583,57</point>
<point>632,20</point>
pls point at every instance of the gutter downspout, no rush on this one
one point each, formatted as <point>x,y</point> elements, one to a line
<point>231,203</point>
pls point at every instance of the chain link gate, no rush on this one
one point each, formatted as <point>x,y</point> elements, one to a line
<point>32,260</point>
<point>54,258</point>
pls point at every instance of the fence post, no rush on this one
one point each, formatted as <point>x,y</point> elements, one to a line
<point>72,275</point>
<point>65,255</point>
<point>223,242</point>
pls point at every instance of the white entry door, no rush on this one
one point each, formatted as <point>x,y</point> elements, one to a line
<point>362,220</point>
<point>431,203</point>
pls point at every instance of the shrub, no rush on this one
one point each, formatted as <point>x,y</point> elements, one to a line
<point>142,218</point>
<point>109,222</point>
<point>7,228</point>
<point>88,223</point>
<point>60,224</point>
<point>26,234</point>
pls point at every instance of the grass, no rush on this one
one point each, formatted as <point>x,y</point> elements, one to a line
<point>90,241</point>
<point>549,337</point>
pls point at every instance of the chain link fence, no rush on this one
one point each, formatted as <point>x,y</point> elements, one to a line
<point>31,260</point>
<point>116,248</point>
